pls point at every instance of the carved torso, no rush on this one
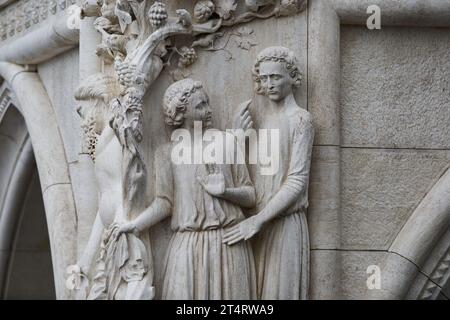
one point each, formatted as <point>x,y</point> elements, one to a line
<point>108,168</point>
<point>296,133</point>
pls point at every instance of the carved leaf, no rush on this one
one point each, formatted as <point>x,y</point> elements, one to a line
<point>225,8</point>
<point>122,12</point>
<point>245,44</point>
<point>290,7</point>
<point>244,31</point>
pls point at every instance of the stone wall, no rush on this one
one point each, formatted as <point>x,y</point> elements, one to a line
<point>395,115</point>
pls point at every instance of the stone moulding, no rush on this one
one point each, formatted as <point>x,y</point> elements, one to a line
<point>35,106</point>
<point>5,100</point>
<point>438,278</point>
<point>430,13</point>
<point>42,44</point>
<point>423,230</point>
<point>395,13</point>
<point>20,17</point>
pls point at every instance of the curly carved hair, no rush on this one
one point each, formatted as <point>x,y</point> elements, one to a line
<point>277,54</point>
<point>176,99</point>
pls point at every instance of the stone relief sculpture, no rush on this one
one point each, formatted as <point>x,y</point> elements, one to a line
<point>124,268</point>
<point>123,263</point>
<point>279,224</point>
<point>202,200</point>
<point>137,43</point>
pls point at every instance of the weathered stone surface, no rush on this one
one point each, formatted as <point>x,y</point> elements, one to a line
<point>60,78</point>
<point>61,220</point>
<point>394,12</point>
<point>380,189</point>
<point>325,275</point>
<point>395,87</point>
<point>354,271</point>
<point>355,274</point>
<point>323,216</point>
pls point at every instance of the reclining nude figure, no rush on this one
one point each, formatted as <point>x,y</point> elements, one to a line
<point>122,264</point>
<point>202,200</point>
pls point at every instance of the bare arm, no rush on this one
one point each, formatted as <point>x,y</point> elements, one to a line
<point>158,211</point>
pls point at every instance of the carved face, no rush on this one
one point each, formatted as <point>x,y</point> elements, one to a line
<point>198,109</point>
<point>275,80</point>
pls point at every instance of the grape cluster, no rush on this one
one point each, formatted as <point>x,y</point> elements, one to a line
<point>90,136</point>
<point>157,14</point>
<point>187,57</point>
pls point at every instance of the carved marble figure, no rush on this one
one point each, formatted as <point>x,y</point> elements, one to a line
<point>278,223</point>
<point>202,200</point>
<point>123,267</point>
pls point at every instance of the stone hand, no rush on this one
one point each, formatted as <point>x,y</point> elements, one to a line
<point>128,227</point>
<point>214,182</point>
<point>242,231</point>
<point>84,266</point>
<point>244,119</point>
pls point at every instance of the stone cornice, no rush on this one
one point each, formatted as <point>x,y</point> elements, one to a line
<point>18,18</point>
<point>46,42</point>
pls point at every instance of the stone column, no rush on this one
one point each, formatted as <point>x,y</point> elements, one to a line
<point>82,171</point>
<point>323,103</point>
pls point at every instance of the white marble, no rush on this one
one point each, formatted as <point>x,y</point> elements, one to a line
<point>371,190</point>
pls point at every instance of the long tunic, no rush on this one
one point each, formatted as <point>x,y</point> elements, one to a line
<point>198,265</point>
<point>282,248</point>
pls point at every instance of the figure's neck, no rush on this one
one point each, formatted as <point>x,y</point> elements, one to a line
<point>284,104</point>
<point>195,126</point>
